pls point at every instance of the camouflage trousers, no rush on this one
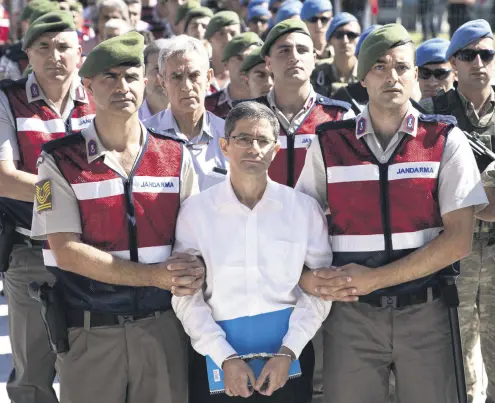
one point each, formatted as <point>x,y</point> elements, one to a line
<point>476,286</point>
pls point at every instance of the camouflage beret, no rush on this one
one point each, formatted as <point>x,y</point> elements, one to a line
<point>220,20</point>
<point>239,44</point>
<point>55,21</point>
<point>377,43</point>
<point>282,28</point>
<point>126,49</point>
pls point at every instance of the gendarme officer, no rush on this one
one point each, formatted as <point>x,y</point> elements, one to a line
<point>50,103</point>
<point>471,55</point>
<point>110,200</point>
<point>402,189</point>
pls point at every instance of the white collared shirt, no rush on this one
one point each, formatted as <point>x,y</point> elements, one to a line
<point>254,259</point>
<point>209,162</point>
<point>459,183</point>
<point>9,148</point>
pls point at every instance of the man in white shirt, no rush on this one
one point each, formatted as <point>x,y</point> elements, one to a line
<point>268,232</point>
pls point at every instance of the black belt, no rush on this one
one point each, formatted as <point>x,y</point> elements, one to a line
<point>75,318</point>
<point>403,300</point>
<point>20,239</point>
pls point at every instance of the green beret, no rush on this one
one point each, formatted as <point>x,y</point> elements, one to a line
<point>124,49</point>
<point>30,7</point>
<point>42,9</point>
<point>183,9</point>
<point>196,12</point>
<point>56,21</point>
<point>220,20</point>
<point>78,7</point>
<point>377,43</point>
<point>282,28</point>
<point>251,60</point>
<point>239,44</point>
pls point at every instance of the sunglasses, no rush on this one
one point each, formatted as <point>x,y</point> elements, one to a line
<point>468,55</point>
<point>323,20</point>
<point>256,20</point>
<point>350,35</point>
<point>439,74</point>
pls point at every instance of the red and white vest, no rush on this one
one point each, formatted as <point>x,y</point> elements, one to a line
<point>37,123</point>
<point>382,212</point>
<point>4,25</point>
<point>289,161</point>
<point>132,218</point>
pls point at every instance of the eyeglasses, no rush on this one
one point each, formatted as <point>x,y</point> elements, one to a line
<point>468,55</point>
<point>439,74</point>
<point>247,142</point>
<point>323,20</point>
<point>350,35</point>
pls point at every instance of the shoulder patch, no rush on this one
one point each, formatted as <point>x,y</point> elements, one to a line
<point>451,120</point>
<point>332,102</point>
<point>338,124</point>
<point>43,191</point>
<point>163,134</point>
<point>64,141</point>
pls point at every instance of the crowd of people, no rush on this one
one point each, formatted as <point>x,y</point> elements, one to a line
<point>199,199</point>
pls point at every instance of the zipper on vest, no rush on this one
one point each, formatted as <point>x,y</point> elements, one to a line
<point>132,230</point>
<point>385,208</point>
<point>291,139</point>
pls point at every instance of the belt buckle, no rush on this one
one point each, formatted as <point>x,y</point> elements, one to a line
<point>390,301</point>
<point>123,319</point>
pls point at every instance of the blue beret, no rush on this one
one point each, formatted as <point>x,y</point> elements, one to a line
<point>257,12</point>
<point>468,33</point>
<point>432,51</point>
<point>338,21</point>
<point>364,35</point>
<point>287,10</point>
<point>254,3</point>
<point>315,7</point>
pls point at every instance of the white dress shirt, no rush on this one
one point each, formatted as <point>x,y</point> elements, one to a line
<point>209,162</point>
<point>254,260</point>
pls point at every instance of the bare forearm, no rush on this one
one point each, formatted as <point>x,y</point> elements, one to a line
<point>444,250</point>
<point>488,213</point>
<point>93,263</point>
<point>18,185</point>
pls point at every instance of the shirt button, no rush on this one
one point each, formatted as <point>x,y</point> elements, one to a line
<point>383,159</point>
<point>390,300</point>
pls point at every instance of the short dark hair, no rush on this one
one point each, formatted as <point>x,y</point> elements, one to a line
<point>254,111</point>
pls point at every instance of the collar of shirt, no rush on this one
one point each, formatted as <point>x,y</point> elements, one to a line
<point>95,149</point>
<point>226,198</point>
<point>409,124</point>
<point>168,123</point>
<point>34,92</point>
<point>225,97</point>
<point>214,84</point>
<point>144,111</point>
<point>487,107</point>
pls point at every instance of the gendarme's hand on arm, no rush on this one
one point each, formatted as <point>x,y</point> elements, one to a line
<point>330,284</point>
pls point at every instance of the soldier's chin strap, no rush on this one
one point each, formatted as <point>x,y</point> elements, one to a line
<point>450,297</point>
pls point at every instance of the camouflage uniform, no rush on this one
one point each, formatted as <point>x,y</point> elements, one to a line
<point>476,283</point>
<point>326,80</point>
<point>325,57</point>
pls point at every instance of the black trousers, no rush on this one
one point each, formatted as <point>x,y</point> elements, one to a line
<point>459,14</point>
<point>298,390</point>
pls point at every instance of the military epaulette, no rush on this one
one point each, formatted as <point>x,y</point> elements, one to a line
<point>165,134</point>
<point>337,124</point>
<point>332,102</point>
<point>8,83</point>
<point>62,142</point>
<point>451,120</point>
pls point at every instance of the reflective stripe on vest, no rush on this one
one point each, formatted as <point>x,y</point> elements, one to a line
<point>289,161</point>
<point>380,212</point>
<point>37,123</point>
<point>133,219</point>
